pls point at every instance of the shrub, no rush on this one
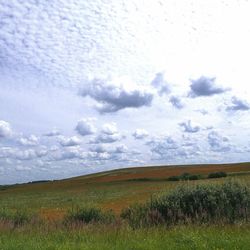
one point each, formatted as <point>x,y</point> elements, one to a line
<point>217,175</point>
<point>184,177</point>
<point>225,203</point>
<point>89,215</point>
<point>173,178</point>
<point>136,215</point>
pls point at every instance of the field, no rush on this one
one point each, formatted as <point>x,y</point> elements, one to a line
<point>117,189</point>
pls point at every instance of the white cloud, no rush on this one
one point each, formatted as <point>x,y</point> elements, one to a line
<point>22,154</point>
<point>121,149</point>
<point>22,168</point>
<point>69,141</point>
<point>140,134</point>
<point>160,83</point>
<point>190,127</point>
<point>53,132</point>
<point>168,149</point>
<point>108,134</point>
<point>116,94</point>
<point>218,142</point>
<point>107,152</point>
<point>176,102</point>
<point>5,129</point>
<point>85,127</point>
<point>205,86</point>
<point>109,128</point>
<point>107,138</point>
<point>31,140</point>
<point>238,105</point>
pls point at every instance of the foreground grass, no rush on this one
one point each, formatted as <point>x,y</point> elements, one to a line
<point>124,238</point>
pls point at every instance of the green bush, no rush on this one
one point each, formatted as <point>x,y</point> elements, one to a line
<point>184,177</point>
<point>88,215</point>
<point>173,178</point>
<point>217,175</point>
<point>225,203</point>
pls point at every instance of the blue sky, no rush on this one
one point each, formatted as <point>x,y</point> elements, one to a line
<point>87,86</point>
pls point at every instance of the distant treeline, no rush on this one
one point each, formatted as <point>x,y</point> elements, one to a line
<point>187,176</point>
<point>183,177</point>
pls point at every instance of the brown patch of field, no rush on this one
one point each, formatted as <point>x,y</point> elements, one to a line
<point>140,195</point>
<point>52,214</point>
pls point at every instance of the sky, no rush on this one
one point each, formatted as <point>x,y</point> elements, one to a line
<point>88,86</point>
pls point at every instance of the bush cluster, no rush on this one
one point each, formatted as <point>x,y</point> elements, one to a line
<point>227,203</point>
<point>88,215</point>
<point>217,175</point>
<point>188,176</point>
<point>184,177</point>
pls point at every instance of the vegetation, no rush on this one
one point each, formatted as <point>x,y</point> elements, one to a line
<point>17,218</point>
<point>40,216</point>
<point>185,177</point>
<point>217,175</point>
<point>88,215</point>
<point>188,176</point>
<point>112,237</point>
<point>227,203</point>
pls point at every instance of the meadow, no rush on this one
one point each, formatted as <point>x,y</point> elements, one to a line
<point>47,204</point>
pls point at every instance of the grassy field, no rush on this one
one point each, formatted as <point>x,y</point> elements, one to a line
<point>115,190</point>
<point>98,238</point>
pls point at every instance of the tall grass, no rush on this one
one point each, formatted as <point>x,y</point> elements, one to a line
<point>16,217</point>
<point>226,203</point>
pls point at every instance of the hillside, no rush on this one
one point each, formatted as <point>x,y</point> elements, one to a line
<point>114,189</point>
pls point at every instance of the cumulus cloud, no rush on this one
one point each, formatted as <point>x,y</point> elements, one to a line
<point>31,140</point>
<point>176,102</point>
<point>205,86</point>
<point>100,148</point>
<point>117,94</point>
<point>120,149</point>
<point>66,154</point>
<point>117,149</point>
<point>163,145</point>
<point>5,129</point>
<point>107,138</point>
<point>169,149</point>
<point>108,134</point>
<point>108,152</point>
<point>160,83</point>
<point>238,105</point>
<point>53,132</point>
<point>109,128</point>
<point>140,134</point>
<point>70,141</point>
<point>218,143</point>
<point>18,154</point>
<point>190,127</point>
<point>85,127</point>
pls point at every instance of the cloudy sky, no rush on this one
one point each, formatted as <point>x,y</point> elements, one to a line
<point>87,86</point>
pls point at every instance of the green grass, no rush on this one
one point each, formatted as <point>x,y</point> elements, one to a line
<point>220,237</point>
